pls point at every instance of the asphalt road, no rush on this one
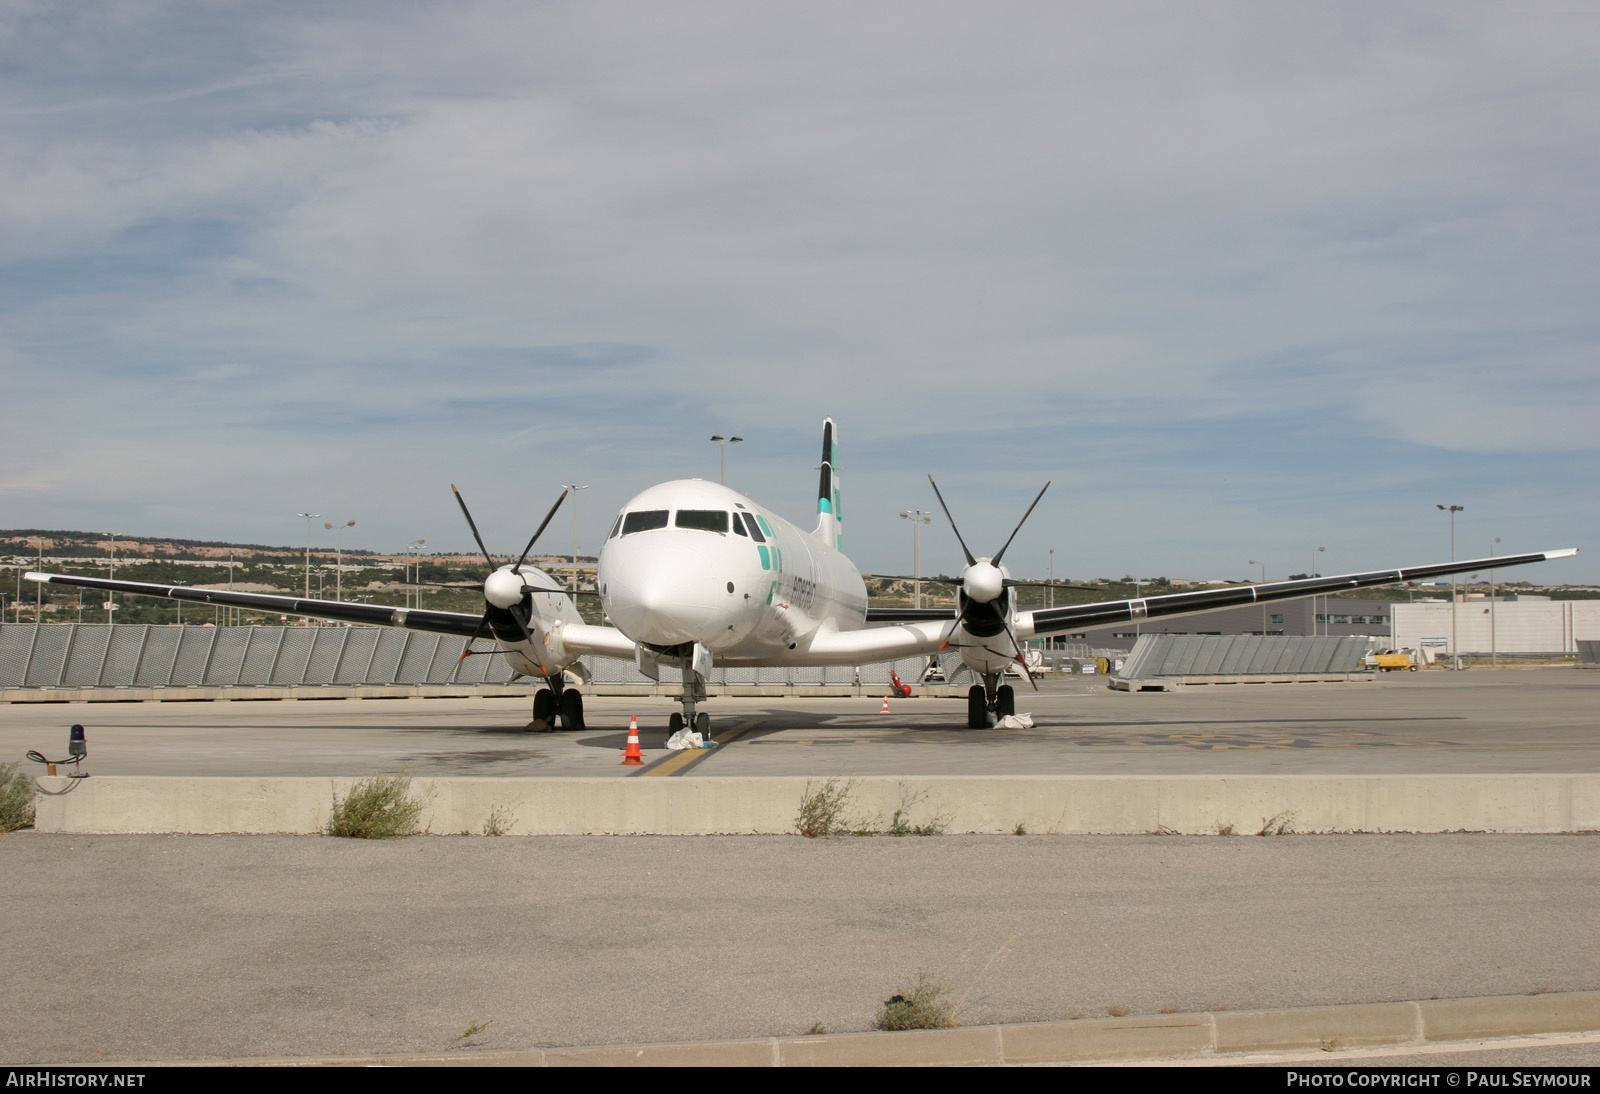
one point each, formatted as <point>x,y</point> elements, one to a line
<point>1514,721</point>
<point>167,947</point>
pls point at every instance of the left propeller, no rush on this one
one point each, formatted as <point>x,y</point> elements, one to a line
<point>504,589</point>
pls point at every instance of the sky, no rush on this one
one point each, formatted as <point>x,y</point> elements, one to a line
<point>1241,280</point>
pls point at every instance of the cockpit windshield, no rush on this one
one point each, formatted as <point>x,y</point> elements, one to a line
<point>704,520</point>
<point>643,521</point>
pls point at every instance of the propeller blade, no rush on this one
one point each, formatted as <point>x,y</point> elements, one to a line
<point>466,651</point>
<point>1022,658</point>
<point>1018,528</point>
<point>463,503</point>
<point>952,520</point>
<point>517,569</point>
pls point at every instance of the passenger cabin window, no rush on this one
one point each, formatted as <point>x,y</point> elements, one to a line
<point>755,529</point>
<point>703,520</point>
<point>643,521</point>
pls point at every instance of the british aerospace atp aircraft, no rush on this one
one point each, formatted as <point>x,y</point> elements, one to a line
<point>694,574</point>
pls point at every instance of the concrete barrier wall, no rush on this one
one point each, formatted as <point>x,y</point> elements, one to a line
<point>1187,805</point>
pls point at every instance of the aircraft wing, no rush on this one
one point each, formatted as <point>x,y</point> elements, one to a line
<point>908,615</point>
<point>377,615</point>
<point>1079,617</point>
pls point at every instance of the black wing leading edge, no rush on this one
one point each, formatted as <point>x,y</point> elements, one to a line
<point>1081,616</point>
<point>412,619</point>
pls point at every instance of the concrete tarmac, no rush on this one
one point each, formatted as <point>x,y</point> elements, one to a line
<point>1513,721</point>
<point>181,947</point>
<point>172,947</point>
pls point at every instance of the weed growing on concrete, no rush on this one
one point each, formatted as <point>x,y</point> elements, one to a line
<point>1279,823</point>
<point>900,824</point>
<point>464,1038</point>
<point>1224,829</point>
<point>500,821</point>
<point>1020,830</point>
<point>1118,1011</point>
<point>16,798</point>
<point>817,1030</point>
<point>922,1006</point>
<point>822,808</point>
<point>1168,1009</point>
<point>377,808</point>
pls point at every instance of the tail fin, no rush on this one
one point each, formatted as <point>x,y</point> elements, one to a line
<point>830,520</point>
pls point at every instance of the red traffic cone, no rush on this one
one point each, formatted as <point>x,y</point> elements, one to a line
<point>885,709</point>
<point>633,757</point>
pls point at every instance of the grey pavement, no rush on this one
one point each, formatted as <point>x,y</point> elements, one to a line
<point>169,947</point>
<point>1513,721</point>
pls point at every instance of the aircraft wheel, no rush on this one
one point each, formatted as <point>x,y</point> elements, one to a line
<point>1413,668</point>
<point>1005,701</point>
<point>674,723</point>
<point>571,709</point>
<point>977,708</point>
<point>544,709</point>
<point>702,726</point>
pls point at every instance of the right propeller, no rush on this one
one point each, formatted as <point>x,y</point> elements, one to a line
<point>983,604</point>
<point>503,588</point>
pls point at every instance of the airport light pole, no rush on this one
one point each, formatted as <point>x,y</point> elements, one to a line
<point>406,573</point>
<point>1263,566</point>
<point>917,517</point>
<point>1455,654</point>
<point>38,611</point>
<point>1052,593</point>
<point>574,488</point>
<point>724,442</point>
<point>1494,656</point>
<point>338,558</point>
<point>1313,573</point>
<point>111,596</point>
<point>309,518</point>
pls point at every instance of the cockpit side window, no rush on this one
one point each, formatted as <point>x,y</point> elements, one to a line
<point>755,529</point>
<point>704,520</point>
<point>738,526</point>
<point>643,521</point>
<point>615,528</point>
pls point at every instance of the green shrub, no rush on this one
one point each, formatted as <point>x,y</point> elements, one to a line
<point>377,808</point>
<point>16,798</point>
<point>923,1006</point>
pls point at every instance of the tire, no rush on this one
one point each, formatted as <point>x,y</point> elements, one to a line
<point>1005,701</point>
<point>702,726</point>
<point>674,723</point>
<point>977,708</point>
<point>544,709</point>
<point>571,709</point>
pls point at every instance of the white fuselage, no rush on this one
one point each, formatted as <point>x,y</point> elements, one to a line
<point>693,562</point>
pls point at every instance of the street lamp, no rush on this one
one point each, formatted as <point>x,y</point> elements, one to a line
<point>1494,656</point>
<point>338,558</point>
<point>111,596</point>
<point>1263,566</point>
<point>309,518</point>
<point>917,517</point>
<point>1455,654</point>
<point>1313,573</point>
<point>724,442</point>
<point>38,611</point>
<point>574,488</point>
<point>406,570</point>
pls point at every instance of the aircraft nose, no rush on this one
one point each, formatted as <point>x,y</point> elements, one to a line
<point>676,592</point>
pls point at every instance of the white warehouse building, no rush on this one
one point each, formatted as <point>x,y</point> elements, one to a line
<point>1506,626</point>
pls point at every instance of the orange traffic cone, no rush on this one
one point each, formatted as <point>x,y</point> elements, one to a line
<point>633,757</point>
<point>885,709</point>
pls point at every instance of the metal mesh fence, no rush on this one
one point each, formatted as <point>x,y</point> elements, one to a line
<point>1212,655</point>
<point>79,655</point>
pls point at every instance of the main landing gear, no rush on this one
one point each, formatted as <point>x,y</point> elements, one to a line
<point>558,701</point>
<point>989,701</point>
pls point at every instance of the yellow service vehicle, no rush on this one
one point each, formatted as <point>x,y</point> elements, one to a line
<point>1392,661</point>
